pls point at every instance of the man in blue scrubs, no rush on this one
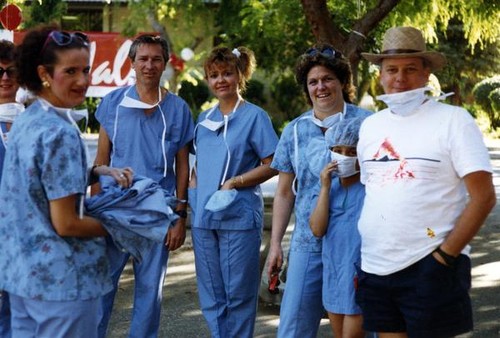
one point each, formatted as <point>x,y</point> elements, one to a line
<point>149,129</point>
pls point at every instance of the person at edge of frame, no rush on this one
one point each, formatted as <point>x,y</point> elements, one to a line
<point>429,188</point>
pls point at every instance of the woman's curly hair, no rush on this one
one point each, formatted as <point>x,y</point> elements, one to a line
<point>335,62</point>
<point>37,48</point>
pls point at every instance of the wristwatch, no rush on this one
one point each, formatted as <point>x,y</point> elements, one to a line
<point>182,213</point>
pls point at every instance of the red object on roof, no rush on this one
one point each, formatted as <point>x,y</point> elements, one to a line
<point>176,62</point>
<point>11,17</point>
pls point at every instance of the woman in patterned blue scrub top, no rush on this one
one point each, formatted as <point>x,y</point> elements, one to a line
<point>53,262</point>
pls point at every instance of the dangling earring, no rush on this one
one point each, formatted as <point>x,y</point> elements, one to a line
<point>46,84</point>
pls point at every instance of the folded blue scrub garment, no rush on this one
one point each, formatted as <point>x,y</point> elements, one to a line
<point>136,217</point>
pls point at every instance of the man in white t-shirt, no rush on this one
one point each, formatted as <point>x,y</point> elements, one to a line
<point>428,191</point>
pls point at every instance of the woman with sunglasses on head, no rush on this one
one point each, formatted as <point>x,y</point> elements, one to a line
<point>235,143</point>
<point>326,79</point>
<point>53,262</point>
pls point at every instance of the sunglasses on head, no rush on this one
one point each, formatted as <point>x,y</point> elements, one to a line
<point>62,38</point>
<point>151,38</point>
<point>328,52</point>
<point>11,71</point>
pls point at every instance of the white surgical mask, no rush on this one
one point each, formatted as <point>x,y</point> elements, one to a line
<point>79,114</point>
<point>9,111</point>
<point>346,165</point>
<point>211,125</point>
<point>215,125</point>
<point>327,122</point>
<point>220,200</point>
<point>129,102</point>
<point>70,115</point>
<point>405,103</point>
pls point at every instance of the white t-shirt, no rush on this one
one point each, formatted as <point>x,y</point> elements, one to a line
<point>413,168</point>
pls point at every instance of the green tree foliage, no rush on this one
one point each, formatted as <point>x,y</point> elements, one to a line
<point>288,98</point>
<point>466,65</point>
<point>46,11</point>
<point>279,30</point>
<point>495,100</point>
<point>486,95</point>
<point>194,95</point>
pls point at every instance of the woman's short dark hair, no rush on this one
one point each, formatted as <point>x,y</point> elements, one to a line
<point>149,40</point>
<point>325,55</point>
<point>40,46</point>
<point>7,51</point>
<point>242,58</point>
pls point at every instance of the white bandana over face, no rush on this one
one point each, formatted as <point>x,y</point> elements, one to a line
<point>346,165</point>
<point>405,103</point>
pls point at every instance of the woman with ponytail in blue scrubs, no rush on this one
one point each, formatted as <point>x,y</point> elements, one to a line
<point>234,143</point>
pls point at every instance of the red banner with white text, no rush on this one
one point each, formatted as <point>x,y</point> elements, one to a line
<point>110,66</point>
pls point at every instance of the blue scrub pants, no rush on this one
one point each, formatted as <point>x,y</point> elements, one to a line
<point>148,279</point>
<point>301,307</point>
<point>4,315</point>
<point>50,319</point>
<point>227,272</point>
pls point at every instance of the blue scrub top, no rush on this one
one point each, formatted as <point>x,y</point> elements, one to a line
<point>3,125</point>
<point>138,140</point>
<point>250,137</point>
<point>342,247</point>
<point>313,155</point>
<point>46,161</point>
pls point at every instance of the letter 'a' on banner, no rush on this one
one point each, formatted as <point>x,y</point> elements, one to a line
<point>10,17</point>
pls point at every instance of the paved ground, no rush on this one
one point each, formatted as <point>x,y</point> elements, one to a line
<point>181,315</point>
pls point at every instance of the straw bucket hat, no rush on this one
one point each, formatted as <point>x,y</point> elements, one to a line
<point>406,42</point>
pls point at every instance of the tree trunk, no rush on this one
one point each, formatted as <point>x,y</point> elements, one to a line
<point>351,45</point>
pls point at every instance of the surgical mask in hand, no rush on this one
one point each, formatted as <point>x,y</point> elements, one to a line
<point>405,103</point>
<point>220,200</point>
<point>346,165</point>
